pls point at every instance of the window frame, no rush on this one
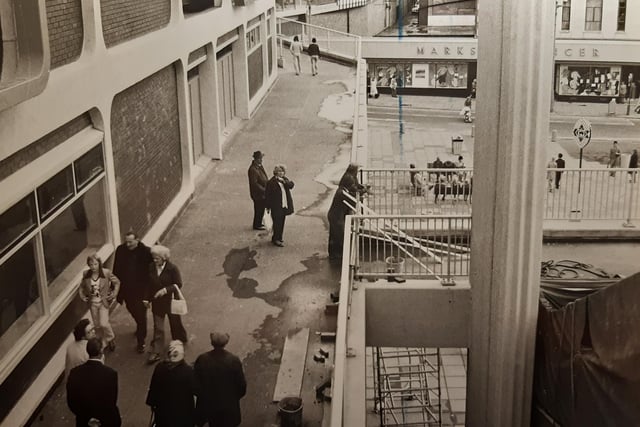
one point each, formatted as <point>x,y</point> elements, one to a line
<point>26,58</point>
<point>565,24</point>
<point>590,13</point>
<point>17,186</point>
<point>622,13</point>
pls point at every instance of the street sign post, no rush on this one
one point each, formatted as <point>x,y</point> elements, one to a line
<point>582,134</point>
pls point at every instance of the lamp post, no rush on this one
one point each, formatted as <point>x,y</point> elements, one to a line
<point>559,4</point>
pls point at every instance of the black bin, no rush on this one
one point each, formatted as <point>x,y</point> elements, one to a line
<point>290,409</point>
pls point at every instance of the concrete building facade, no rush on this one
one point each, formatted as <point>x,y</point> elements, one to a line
<point>109,110</point>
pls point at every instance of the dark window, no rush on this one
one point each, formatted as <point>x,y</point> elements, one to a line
<point>18,220</point>
<point>193,6</point>
<point>76,232</point>
<point>88,166</point>
<point>593,15</point>
<point>55,192</point>
<point>18,296</point>
<point>566,15</point>
<point>622,14</point>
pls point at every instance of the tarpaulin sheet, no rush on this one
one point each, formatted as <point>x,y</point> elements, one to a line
<point>587,362</point>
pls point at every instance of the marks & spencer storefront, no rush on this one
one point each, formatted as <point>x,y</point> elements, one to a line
<point>442,68</point>
<point>595,71</point>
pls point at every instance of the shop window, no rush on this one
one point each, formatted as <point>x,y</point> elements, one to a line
<point>566,15</point>
<point>588,80</point>
<point>20,302</point>
<point>593,16</point>
<point>16,222</point>
<point>23,68</point>
<point>622,14</point>
<point>55,192</point>
<point>75,233</point>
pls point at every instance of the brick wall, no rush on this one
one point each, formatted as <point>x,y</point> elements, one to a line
<point>31,152</point>
<point>64,20</point>
<point>125,19</point>
<point>146,149</point>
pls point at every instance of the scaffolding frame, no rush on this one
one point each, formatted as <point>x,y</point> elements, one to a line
<point>407,386</point>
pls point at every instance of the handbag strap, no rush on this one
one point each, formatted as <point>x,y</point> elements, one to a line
<point>179,291</point>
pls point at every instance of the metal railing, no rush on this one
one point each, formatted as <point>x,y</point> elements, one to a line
<point>336,43</point>
<point>583,194</point>
<point>430,247</point>
<point>295,4</point>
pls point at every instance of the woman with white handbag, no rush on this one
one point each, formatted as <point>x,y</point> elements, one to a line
<point>162,293</point>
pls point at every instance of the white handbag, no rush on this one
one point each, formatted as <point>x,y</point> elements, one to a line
<point>179,306</point>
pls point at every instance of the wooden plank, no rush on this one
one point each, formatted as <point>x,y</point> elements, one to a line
<point>291,371</point>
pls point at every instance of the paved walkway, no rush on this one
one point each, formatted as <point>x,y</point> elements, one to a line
<point>235,280</point>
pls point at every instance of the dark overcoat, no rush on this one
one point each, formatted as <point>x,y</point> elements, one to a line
<point>92,392</point>
<point>220,386</point>
<point>171,394</point>
<point>274,196</point>
<point>132,268</point>
<point>257,181</point>
<point>169,276</point>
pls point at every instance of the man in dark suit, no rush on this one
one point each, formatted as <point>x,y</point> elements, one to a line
<point>220,385</point>
<point>92,390</point>
<point>131,266</point>
<point>279,202</point>
<point>257,186</point>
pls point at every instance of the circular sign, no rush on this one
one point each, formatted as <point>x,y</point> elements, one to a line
<point>582,132</point>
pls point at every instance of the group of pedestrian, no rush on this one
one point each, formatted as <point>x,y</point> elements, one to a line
<point>270,196</point>
<point>179,395</point>
<point>313,50</point>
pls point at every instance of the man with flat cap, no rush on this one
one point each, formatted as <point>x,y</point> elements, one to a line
<point>220,384</point>
<point>257,185</point>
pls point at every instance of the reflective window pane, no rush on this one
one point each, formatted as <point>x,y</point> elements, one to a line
<point>16,221</point>
<point>88,166</point>
<point>20,303</point>
<point>76,232</point>
<point>54,192</point>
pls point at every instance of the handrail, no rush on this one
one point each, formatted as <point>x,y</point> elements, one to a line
<point>353,36</point>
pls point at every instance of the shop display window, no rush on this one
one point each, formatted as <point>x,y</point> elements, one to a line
<point>588,80</point>
<point>428,75</point>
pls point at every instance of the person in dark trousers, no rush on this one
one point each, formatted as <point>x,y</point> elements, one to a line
<point>172,390</point>
<point>164,279</point>
<point>257,186</point>
<point>92,390</point>
<point>131,266</point>
<point>633,164</point>
<point>559,165</point>
<point>314,53</point>
<point>279,202</point>
<point>220,384</point>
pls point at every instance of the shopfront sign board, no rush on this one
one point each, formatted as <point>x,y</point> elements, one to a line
<point>582,132</point>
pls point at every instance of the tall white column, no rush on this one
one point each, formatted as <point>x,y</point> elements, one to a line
<point>515,40</point>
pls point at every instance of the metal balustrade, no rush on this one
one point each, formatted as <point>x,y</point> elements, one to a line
<point>336,43</point>
<point>583,194</point>
<point>435,247</point>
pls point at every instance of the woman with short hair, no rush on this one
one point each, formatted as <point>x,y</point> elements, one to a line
<point>164,281</point>
<point>279,201</point>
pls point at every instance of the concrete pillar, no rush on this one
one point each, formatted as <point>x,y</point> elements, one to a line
<point>514,66</point>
